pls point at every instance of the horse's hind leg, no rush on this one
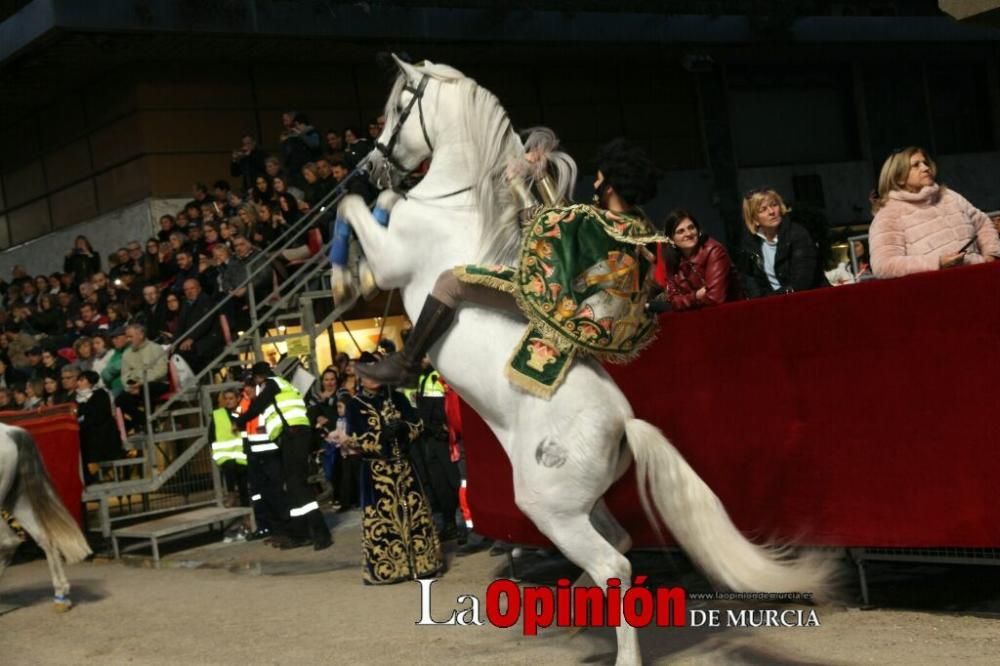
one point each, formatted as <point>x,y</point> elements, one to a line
<point>31,525</point>
<point>8,544</point>
<point>609,528</point>
<point>578,539</point>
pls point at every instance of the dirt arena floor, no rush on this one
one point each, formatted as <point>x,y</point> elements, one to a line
<point>247,603</point>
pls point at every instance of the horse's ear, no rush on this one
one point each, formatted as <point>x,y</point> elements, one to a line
<point>406,68</point>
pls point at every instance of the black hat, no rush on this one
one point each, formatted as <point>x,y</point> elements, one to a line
<point>367,358</point>
<point>261,369</point>
<point>35,351</point>
<point>117,331</point>
<point>388,346</point>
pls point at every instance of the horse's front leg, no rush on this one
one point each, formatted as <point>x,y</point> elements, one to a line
<point>352,212</point>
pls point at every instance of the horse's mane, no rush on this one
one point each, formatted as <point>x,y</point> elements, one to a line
<point>496,145</point>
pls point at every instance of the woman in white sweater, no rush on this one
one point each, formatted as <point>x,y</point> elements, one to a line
<point>922,226</point>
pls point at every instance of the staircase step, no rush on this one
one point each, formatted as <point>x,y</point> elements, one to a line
<point>173,435</point>
<point>98,491</point>
<point>168,527</point>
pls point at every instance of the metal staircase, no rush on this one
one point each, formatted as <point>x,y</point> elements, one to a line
<point>172,487</point>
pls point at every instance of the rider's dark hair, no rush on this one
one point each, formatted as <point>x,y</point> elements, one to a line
<point>628,169</point>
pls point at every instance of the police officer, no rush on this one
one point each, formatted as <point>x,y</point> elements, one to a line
<point>227,449</point>
<point>287,425</point>
<point>267,493</point>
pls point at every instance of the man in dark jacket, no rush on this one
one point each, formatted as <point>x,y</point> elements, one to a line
<point>248,162</point>
<point>796,264</point>
<point>99,436</point>
<point>200,341</point>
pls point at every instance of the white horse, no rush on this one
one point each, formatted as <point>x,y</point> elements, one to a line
<point>27,493</point>
<point>565,452</point>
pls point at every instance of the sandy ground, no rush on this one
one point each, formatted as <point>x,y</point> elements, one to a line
<point>251,604</point>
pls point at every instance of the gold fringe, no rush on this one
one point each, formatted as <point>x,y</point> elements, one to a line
<point>506,286</point>
<point>533,386</point>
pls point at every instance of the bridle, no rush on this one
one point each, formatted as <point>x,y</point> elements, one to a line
<point>417,98</point>
<point>385,178</point>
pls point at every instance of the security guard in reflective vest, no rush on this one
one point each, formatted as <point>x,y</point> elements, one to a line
<point>227,448</point>
<point>267,492</point>
<point>431,455</point>
<point>287,425</point>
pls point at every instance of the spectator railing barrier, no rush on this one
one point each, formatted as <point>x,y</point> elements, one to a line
<point>178,472</point>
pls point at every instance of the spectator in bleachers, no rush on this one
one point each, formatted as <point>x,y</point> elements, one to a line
<point>9,375</point>
<point>777,256</point>
<point>300,144</point>
<point>51,393</point>
<point>141,355</point>
<point>122,264</point>
<point>82,262</point>
<point>334,143</point>
<point>247,162</point>
<point>111,374</point>
<point>201,196</point>
<point>49,319</point>
<point>230,276</point>
<point>273,169</point>
<point>34,367</point>
<point>200,341</point>
<point>696,269</point>
<point>28,292</point>
<point>326,182</point>
<point>102,354</point>
<point>83,347</point>
<point>245,252</point>
<point>210,232</point>
<point>220,198</point>
<point>356,147</point>
<point>170,322</point>
<point>90,321</point>
<point>150,313</point>
<point>99,437</point>
<point>922,226</point>
<point>186,270</point>
<point>263,191</point>
<point>167,226</point>
<point>67,384</point>
<point>268,227</point>
<point>178,242</point>
<point>359,186</point>
<point>195,242</point>
<point>18,344</point>
<point>281,187</point>
<point>311,188</point>
<point>34,391</point>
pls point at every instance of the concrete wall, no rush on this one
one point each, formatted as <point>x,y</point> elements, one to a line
<point>106,233</point>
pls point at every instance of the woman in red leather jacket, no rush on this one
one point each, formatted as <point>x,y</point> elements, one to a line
<point>694,269</point>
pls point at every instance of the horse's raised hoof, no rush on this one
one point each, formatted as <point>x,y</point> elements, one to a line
<point>367,280</point>
<point>62,605</point>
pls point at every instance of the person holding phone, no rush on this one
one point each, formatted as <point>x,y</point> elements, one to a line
<point>921,225</point>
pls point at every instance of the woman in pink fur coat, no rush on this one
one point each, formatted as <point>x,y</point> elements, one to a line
<point>922,226</point>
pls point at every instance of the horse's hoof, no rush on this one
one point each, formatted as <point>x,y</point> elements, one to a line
<point>367,279</point>
<point>62,606</point>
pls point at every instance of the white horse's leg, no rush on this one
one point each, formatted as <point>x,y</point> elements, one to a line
<point>371,234</point>
<point>608,527</point>
<point>366,276</point>
<point>559,489</point>
<point>8,544</point>
<point>31,525</point>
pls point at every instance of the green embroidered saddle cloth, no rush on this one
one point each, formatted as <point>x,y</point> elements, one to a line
<point>582,280</point>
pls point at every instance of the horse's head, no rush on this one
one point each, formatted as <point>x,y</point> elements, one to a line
<point>412,120</point>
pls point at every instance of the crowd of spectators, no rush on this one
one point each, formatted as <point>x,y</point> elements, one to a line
<point>919,225</point>
<point>110,313</point>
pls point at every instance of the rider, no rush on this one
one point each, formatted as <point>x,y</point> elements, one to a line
<point>626,178</point>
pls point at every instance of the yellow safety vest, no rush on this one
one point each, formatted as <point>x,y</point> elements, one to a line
<point>226,447</point>
<point>431,387</point>
<point>290,409</point>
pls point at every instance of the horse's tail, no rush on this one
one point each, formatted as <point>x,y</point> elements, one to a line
<point>701,526</point>
<point>32,480</point>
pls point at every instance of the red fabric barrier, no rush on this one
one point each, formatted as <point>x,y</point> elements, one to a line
<point>862,415</point>
<point>57,435</point>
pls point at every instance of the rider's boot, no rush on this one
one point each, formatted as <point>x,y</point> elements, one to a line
<point>396,369</point>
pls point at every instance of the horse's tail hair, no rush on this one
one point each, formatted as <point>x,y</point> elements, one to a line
<point>32,480</point>
<point>670,489</point>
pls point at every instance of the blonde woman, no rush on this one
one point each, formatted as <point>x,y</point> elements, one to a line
<point>776,256</point>
<point>922,226</point>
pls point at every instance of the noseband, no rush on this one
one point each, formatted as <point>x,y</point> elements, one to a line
<point>387,148</point>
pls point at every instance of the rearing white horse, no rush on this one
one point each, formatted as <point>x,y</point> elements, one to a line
<point>565,452</point>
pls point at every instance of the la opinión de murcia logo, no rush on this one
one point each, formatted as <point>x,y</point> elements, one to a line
<point>636,605</point>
